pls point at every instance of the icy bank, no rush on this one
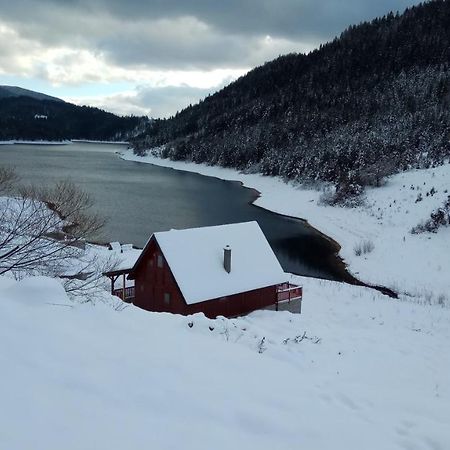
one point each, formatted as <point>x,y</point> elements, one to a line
<point>90,141</point>
<point>35,142</point>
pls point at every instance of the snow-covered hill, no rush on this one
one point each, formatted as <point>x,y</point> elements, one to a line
<point>417,265</point>
<point>356,370</point>
<point>15,91</point>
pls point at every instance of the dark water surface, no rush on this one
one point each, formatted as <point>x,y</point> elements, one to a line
<point>139,199</point>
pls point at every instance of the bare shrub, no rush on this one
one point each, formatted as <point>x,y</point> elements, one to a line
<point>346,194</point>
<point>363,247</point>
<point>442,300</point>
<point>8,177</point>
<point>44,231</point>
<point>71,204</point>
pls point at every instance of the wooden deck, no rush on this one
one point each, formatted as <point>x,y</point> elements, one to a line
<point>289,298</point>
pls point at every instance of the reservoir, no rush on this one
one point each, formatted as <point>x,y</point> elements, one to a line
<point>138,199</point>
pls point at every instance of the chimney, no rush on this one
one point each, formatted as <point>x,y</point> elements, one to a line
<point>227,258</point>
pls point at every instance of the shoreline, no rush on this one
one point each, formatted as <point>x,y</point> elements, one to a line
<point>91,141</point>
<point>412,265</point>
<point>65,142</point>
<point>340,263</point>
<point>28,142</point>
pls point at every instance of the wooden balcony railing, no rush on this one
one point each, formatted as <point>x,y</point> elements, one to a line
<point>129,294</point>
<point>289,292</point>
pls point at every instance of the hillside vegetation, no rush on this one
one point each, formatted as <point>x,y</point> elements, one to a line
<point>372,102</point>
<point>28,118</point>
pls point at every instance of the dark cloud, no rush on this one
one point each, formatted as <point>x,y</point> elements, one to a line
<point>185,34</point>
<point>98,42</point>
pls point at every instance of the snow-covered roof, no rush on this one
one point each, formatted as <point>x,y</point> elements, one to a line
<point>195,257</point>
<point>115,246</point>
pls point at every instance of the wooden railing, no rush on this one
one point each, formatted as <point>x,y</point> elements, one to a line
<point>289,292</point>
<point>129,293</point>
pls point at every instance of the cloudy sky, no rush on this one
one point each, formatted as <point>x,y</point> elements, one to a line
<point>154,57</point>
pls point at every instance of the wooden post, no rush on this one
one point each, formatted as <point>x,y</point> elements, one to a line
<point>123,288</point>
<point>276,293</point>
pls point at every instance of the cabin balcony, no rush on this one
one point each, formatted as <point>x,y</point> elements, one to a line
<point>120,286</point>
<point>289,298</point>
<point>126,295</point>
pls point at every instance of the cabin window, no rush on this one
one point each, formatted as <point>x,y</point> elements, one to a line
<point>160,261</point>
<point>167,298</point>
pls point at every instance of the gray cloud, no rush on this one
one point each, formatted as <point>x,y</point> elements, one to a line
<point>286,18</point>
<point>189,34</point>
<point>98,42</point>
<point>151,101</point>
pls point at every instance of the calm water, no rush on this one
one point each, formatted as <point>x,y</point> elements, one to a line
<point>139,199</point>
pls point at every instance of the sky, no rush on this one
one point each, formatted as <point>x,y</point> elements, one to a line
<point>154,57</point>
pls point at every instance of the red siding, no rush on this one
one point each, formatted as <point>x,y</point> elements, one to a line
<point>152,283</point>
<point>236,305</point>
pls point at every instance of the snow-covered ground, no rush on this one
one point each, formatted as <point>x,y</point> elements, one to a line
<point>355,370</point>
<point>414,264</point>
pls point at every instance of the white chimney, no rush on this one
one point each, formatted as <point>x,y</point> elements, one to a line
<point>227,258</point>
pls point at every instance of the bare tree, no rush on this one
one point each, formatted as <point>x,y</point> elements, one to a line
<point>8,178</point>
<point>44,231</point>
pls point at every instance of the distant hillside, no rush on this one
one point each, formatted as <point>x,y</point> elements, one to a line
<point>31,115</point>
<point>373,101</point>
<point>15,91</point>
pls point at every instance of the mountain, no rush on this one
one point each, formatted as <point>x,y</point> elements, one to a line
<point>15,91</point>
<point>29,115</point>
<point>372,102</point>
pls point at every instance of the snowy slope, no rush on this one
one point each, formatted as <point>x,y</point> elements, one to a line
<point>414,264</point>
<point>15,91</point>
<point>369,373</point>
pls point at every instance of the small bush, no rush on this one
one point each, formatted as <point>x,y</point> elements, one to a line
<point>442,300</point>
<point>438,218</point>
<point>364,247</point>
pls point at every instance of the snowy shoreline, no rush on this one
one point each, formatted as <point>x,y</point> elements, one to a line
<point>65,142</point>
<point>415,265</point>
<point>25,142</point>
<point>90,141</point>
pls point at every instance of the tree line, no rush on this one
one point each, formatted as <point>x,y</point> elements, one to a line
<point>26,118</point>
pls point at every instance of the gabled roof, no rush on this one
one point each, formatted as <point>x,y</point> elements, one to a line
<point>195,257</point>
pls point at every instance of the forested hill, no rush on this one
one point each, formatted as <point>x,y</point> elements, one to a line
<point>373,101</point>
<point>32,117</point>
<point>15,91</point>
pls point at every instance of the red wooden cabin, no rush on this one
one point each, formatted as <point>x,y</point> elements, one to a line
<point>225,270</point>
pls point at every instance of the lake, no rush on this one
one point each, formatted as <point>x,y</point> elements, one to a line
<point>139,199</point>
